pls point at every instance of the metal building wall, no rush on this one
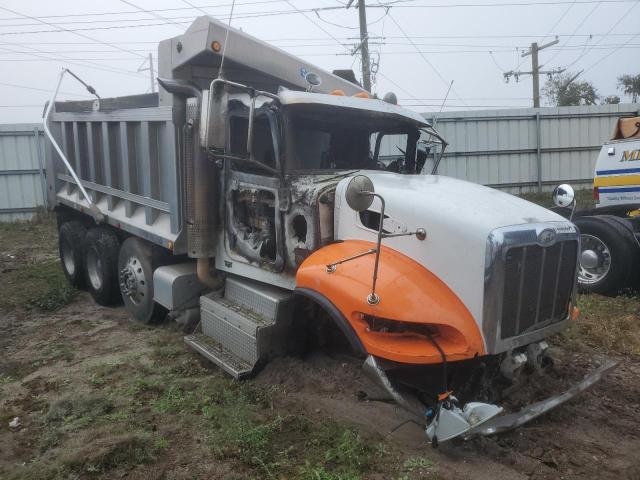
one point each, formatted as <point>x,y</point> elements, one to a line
<point>22,184</point>
<point>523,150</point>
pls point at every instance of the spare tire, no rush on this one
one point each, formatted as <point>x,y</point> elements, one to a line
<point>607,255</point>
<point>71,238</point>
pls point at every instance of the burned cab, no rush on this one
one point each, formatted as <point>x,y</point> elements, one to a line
<point>284,156</point>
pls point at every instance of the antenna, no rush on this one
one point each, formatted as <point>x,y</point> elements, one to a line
<point>226,39</point>
<point>444,100</point>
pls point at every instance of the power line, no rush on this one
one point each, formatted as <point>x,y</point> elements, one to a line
<point>258,14</point>
<point>155,15</point>
<point>74,33</point>
<point>124,12</point>
<point>315,23</point>
<point>346,38</point>
<point>42,89</point>
<point>596,44</point>
<point>195,7</point>
<point>36,53</point>
<point>344,47</point>
<point>422,55</point>
<point>576,29</point>
<point>395,4</point>
<point>608,55</point>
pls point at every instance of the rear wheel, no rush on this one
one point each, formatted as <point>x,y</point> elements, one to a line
<point>71,238</point>
<point>101,265</point>
<point>606,256</point>
<point>135,274</point>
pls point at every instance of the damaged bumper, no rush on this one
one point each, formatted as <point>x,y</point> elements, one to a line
<point>474,418</point>
<point>513,420</point>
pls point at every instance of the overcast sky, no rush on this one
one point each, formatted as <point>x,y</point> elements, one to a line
<point>421,45</point>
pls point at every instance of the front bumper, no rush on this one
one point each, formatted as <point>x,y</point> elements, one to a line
<point>510,421</point>
<point>474,418</point>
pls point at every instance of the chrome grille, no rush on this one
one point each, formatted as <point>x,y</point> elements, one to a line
<point>538,285</point>
<point>528,284</point>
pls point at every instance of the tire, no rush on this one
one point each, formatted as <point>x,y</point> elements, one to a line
<point>135,274</point>
<point>101,265</point>
<point>610,267</point>
<point>71,239</point>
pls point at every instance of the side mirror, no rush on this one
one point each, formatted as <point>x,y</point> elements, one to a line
<point>359,193</point>
<point>564,195</point>
<point>215,117</point>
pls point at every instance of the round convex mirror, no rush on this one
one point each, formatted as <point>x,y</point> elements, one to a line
<point>564,195</point>
<point>359,193</point>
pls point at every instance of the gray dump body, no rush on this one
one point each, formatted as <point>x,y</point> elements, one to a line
<point>128,152</point>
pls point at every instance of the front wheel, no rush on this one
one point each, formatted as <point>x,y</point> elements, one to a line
<point>606,256</point>
<point>135,274</point>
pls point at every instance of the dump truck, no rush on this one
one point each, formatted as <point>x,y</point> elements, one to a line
<point>610,232</point>
<point>248,200</point>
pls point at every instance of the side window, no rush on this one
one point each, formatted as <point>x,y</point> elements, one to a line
<point>261,146</point>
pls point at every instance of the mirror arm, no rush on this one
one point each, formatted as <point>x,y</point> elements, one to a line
<point>573,209</point>
<point>374,298</point>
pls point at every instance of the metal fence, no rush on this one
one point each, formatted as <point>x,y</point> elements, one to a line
<point>22,181</point>
<point>524,150</point>
<point>516,150</point>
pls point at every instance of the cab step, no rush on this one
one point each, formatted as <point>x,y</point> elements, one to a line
<point>245,327</point>
<point>216,353</point>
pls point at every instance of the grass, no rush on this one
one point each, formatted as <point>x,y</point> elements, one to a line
<point>584,198</point>
<point>30,272</point>
<point>607,324</point>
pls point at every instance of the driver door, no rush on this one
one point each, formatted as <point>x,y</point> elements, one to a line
<point>252,191</point>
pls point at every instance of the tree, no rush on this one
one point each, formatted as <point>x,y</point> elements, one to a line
<point>562,90</point>
<point>630,85</point>
<point>611,100</point>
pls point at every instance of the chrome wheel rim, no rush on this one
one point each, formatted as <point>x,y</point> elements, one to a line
<point>67,258</point>
<point>595,260</point>
<point>94,269</point>
<point>133,282</point>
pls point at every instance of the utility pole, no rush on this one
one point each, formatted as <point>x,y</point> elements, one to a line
<point>535,70</point>
<point>364,44</point>
<point>152,75</point>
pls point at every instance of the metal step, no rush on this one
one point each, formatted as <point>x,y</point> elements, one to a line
<point>216,353</point>
<point>250,323</point>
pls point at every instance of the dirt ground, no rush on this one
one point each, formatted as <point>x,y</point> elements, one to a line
<point>97,396</point>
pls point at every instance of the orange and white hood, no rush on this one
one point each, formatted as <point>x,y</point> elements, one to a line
<point>458,217</point>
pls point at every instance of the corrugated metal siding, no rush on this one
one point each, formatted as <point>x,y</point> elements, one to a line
<point>500,147</point>
<point>21,162</point>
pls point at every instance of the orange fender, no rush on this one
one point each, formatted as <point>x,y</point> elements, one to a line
<point>408,293</point>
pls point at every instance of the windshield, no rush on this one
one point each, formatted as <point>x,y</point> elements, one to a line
<point>328,141</point>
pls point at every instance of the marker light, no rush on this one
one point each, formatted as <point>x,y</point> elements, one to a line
<point>339,93</point>
<point>215,46</point>
<point>361,95</point>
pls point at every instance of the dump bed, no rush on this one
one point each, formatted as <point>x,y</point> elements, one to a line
<point>126,155</point>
